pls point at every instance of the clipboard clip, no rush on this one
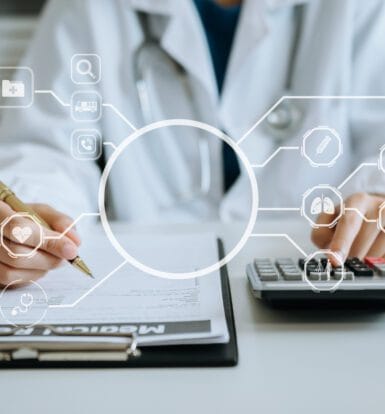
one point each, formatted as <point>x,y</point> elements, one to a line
<point>68,346</point>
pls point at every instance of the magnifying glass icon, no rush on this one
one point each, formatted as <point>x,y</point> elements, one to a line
<point>84,68</point>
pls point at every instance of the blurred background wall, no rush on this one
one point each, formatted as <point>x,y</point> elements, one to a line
<point>18,19</point>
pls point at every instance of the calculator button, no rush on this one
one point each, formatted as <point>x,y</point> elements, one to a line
<point>268,277</point>
<point>266,270</point>
<point>346,274</point>
<point>292,276</point>
<point>376,263</point>
<point>263,262</point>
<point>288,269</point>
<point>359,268</point>
<point>372,261</point>
<point>311,262</point>
<point>380,269</point>
<point>318,276</point>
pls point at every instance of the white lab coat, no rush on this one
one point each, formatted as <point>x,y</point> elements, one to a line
<point>339,52</point>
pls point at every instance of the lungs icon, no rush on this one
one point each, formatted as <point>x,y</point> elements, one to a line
<point>322,205</point>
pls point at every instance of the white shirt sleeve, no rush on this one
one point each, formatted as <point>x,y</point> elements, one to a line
<point>35,152</point>
<point>367,115</point>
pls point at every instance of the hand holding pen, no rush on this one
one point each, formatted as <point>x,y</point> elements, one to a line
<point>22,235</point>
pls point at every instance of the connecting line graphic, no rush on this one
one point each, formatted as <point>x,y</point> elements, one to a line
<point>299,209</point>
<point>106,105</point>
<point>48,92</point>
<point>273,155</point>
<point>284,235</point>
<point>356,210</point>
<point>364,164</point>
<point>110,144</point>
<point>121,116</point>
<point>77,301</point>
<point>264,116</point>
<point>279,209</point>
<point>72,225</point>
<point>312,97</point>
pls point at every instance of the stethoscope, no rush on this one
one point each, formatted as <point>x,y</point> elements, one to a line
<point>149,51</point>
<point>286,118</point>
<point>280,123</point>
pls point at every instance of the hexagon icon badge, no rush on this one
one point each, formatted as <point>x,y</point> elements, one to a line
<point>322,146</point>
<point>322,199</point>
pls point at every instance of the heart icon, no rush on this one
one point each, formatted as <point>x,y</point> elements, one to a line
<point>22,234</point>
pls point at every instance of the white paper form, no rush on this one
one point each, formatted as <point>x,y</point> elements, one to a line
<point>124,299</point>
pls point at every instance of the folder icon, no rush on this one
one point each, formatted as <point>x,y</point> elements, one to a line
<point>12,89</point>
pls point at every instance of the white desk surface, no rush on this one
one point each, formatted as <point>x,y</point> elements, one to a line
<point>290,362</point>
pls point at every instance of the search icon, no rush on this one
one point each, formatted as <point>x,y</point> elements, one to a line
<point>84,68</point>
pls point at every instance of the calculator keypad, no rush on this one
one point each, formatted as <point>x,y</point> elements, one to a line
<point>286,269</point>
<point>266,270</point>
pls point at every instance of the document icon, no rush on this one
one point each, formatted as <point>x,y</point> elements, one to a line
<point>12,89</point>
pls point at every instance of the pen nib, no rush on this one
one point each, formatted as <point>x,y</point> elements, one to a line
<point>79,264</point>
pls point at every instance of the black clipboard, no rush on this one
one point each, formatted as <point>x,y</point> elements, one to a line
<point>201,355</point>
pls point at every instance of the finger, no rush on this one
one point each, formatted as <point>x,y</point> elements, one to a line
<point>47,240</point>
<point>5,211</point>
<point>378,247</point>
<point>58,221</point>
<point>348,227</point>
<point>38,261</point>
<point>322,236</point>
<point>9,275</point>
<point>364,240</point>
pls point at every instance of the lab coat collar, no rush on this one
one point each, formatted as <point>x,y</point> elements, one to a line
<point>152,6</point>
<point>253,28</point>
<point>275,4</point>
<point>183,38</point>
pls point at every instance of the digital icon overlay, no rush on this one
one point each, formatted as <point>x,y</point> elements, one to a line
<point>16,87</point>
<point>322,146</point>
<point>26,301</point>
<point>86,69</point>
<point>320,200</point>
<point>23,303</point>
<point>319,272</point>
<point>10,228</point>
<point>86,106</point>
<point>86,144</point>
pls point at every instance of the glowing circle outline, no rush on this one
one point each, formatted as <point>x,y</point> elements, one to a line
<point>334,286</point>
<point>171,123</point>
<point>31,282</point>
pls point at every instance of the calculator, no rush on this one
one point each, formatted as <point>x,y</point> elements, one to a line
<point>291,282</point>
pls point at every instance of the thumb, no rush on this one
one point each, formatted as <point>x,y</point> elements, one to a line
<point>58,221</point>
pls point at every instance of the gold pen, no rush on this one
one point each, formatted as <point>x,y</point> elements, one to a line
<point>9,197</point>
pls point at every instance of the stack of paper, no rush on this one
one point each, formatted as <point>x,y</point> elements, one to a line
<point>123,299</point>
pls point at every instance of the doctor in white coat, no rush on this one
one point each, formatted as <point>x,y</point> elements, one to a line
<point>279,47</point>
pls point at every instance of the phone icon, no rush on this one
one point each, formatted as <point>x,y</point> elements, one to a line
<point>86,144</point>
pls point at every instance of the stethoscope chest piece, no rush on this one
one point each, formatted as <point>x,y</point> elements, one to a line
<point>284,120</point>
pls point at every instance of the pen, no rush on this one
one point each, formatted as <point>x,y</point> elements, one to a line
<point>9,197</point>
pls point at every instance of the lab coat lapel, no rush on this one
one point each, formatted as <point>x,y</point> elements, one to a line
<point>184,39</point>
<point>253,28</point>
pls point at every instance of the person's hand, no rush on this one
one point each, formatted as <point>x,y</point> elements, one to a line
<point>353,236</point>
<point>51,252</point>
